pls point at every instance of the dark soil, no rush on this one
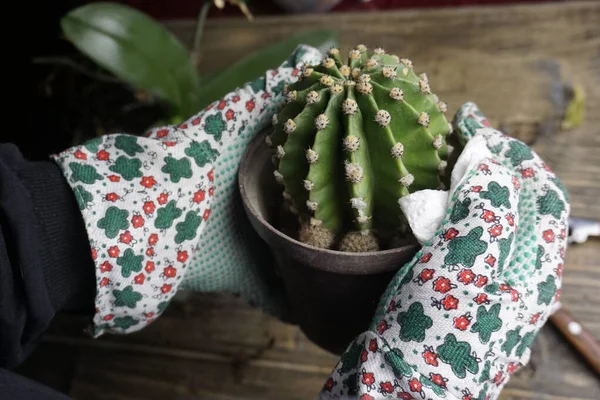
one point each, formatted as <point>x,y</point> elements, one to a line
<point>83,102</point>
<point>59,98</point>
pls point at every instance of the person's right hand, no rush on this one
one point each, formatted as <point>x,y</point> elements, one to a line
<point>162,212</point>
<point>459,319</point>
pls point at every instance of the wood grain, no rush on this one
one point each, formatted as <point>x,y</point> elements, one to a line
<point>515,62</point>
<point>512,61</point>
<point>239,353</point>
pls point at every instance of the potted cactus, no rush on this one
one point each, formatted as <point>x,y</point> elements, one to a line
<point>323,186</point>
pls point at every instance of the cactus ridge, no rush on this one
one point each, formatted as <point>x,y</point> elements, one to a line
<point>353,138</point>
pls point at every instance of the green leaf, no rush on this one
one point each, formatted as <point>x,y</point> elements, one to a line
<point>257,63</point>
<point>137,49</point>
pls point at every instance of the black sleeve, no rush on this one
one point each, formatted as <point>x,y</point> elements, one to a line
<point>17,387</point>
<point>45,259</point>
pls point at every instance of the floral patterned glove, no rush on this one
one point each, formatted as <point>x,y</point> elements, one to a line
<point>459,319</point>
<point>146,202</point>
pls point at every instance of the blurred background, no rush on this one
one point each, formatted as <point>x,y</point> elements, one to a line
<point>188,8</point>
<point>73,97</point>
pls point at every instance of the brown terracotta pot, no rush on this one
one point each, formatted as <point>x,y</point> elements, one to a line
<point>332,295</point>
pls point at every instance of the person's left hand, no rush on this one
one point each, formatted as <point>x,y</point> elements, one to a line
<point>162,211</point>
<point>458,319</point>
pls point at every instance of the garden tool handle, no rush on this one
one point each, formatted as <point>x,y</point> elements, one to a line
<point>585,343</point>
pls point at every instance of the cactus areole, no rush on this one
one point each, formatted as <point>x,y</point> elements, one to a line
<point>351,140</point>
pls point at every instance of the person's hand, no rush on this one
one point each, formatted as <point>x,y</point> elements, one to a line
<point>146,202</point>
<point>459,319</point>
<point>230,256</point>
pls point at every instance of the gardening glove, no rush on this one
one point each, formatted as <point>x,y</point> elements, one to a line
<point>146,202</point>
<point>459,319</point>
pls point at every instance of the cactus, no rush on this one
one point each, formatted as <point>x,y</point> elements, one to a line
<point>351,140</point>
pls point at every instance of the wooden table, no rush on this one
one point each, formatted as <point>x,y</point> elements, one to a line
<point>517,63</point>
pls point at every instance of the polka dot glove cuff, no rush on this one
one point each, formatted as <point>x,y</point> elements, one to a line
<point>146,203</point>
<point>459,319</point>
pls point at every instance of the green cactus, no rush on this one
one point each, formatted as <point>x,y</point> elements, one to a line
<point>351,140</point>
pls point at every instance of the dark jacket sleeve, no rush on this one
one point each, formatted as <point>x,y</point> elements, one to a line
<point>45,260</point>
<point>17,387</point>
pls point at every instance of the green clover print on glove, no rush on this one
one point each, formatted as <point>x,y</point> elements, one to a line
<point>202,153</point>
<point>215,126</point>
<point>547,290</point>
<point>187,229</point>
<point>464,250</point>
<point>485,373</point>
<point>460,210</point>
<point>82,196</point>
<point>513,337</point>
<point>129,145</point>
<point>92,144</point>
<point>437,389</point>
<point>487,322</point>
<point>526,342</point>
<point>257,84</point>
<point>560,187</point>
<point>539,257</point>
<point>497,195</point>
<point>114,221</point>
<point>128,168</point>
<point>395,359</point>
<point>125,322</point>
<point>84,173</point>
<point>166,215</point>
<point>350,358</point>
<point>472,125</point>
<point>177,169</point>
<point>551,204</point>
<point>126,297</point>
<point>232,256</point>
<point>129,263</point>
<point>504,245</point>
<point>414,323</point>
<point>458,355</point>
<point>351,384</point>
<point>518,153</point>
<point>487,279</point>
<point>160,218</point>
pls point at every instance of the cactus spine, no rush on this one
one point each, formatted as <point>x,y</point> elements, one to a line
<point>351,140</point>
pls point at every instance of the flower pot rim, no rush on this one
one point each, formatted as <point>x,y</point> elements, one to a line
<point>251,150</point>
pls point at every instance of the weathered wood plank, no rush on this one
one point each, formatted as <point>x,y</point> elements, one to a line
<point>134,376</point>
<point>143,366</point>
<point>213,326</point>
<point>514,62</point>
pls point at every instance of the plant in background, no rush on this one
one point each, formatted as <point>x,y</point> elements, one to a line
<point>141,52</point>
<point>352,140</point>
